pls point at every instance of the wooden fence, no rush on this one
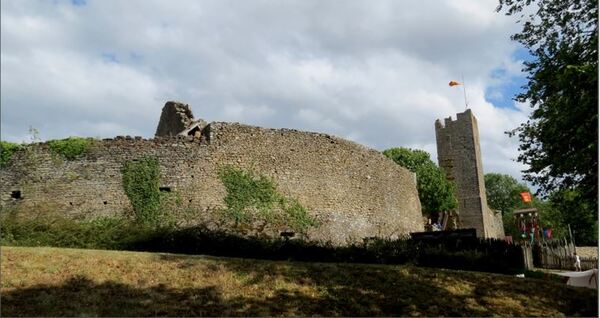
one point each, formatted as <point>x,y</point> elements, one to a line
<point>558,254</point>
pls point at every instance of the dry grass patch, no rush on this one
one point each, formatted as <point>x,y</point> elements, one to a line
<point>71,282</point>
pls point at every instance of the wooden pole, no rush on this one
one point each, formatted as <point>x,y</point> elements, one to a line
<point>462,78</point>
<point>571,236</point>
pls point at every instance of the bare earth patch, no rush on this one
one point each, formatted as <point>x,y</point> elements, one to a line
<point>73,282</point>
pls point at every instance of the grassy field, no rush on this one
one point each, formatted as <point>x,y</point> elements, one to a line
<point>73,282</point>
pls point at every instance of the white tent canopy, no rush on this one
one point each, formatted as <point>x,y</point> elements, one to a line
<point>587,278</point>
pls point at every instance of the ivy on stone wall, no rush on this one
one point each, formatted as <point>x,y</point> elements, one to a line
<point>6,151</point>
<point>71,147</point>
<point>141,182</point>
<point>253,198</point>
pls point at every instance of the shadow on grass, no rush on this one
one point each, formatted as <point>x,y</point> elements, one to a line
<point>318,289</point>
<point>383,290</point>
<point>82,297</point>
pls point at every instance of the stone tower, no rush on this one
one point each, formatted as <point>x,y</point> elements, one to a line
<point>459,154</point>
<point>177,119</point>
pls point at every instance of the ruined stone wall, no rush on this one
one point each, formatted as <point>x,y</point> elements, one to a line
<point>174,118</point>
<point>459,154</point>
<point>354,192</point>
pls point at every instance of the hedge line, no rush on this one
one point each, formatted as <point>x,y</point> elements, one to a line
<point>122,234</point>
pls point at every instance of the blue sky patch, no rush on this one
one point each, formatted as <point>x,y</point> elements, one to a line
<point>135,56</point>
<point>503,95</point>
<point>78,3</point>
<point>110,57</point>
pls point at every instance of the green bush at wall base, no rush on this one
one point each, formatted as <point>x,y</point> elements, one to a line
<point>70,148</point>
<point>6,151</point>
<point>101,233</point>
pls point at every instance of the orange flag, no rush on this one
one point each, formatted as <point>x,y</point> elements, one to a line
<point>525,196</point>
<point>453,83</point>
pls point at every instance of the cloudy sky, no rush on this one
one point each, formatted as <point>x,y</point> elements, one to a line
<point>375,72</point>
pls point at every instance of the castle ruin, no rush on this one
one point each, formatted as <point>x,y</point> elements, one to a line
<point>459,155</point>
<point>352,191</point>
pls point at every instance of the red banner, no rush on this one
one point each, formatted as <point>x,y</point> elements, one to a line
<point>525,196</point>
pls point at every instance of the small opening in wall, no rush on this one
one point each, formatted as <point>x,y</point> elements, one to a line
<point>165,189</point>
<point>190,201</point>
<point>70,203</point>
<point>193,131</point>
<point>105,202</point>
<point>16,194</point>
<point>192,176</point>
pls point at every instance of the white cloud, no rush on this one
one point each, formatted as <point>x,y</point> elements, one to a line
<point>373,72</point>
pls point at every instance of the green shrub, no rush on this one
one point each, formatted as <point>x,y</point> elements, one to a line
<point>101,233</point>
<point>297,217</point>
<point>70,148</point>
<point>251,197</point>
<point>6,151</point>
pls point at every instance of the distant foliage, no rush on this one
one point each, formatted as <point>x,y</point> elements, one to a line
<point>141,182</point>
<point>503,192</point>
<point>6,151</point>
<point>253,198</point>
<point>561,209</point>
<point>568,208</point>
<point>70,148</point>
<point>436,193</point>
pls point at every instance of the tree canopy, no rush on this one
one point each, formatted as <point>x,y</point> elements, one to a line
<point>503,192</point>
<point>562,209</point>
<point>436,193</point>
<point>567,208</point>
<point>559,142</point>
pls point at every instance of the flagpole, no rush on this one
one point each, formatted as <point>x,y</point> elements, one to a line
<point>464,90</point>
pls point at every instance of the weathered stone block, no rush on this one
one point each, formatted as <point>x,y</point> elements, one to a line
<point>175,118</point>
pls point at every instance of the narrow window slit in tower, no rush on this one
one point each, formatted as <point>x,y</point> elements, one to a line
<point>16,194</point>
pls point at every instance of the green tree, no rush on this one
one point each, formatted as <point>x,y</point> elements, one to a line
<point>503,191</point>
<point>559,142</point>
<point>436,193</point>
<point>567,208</point>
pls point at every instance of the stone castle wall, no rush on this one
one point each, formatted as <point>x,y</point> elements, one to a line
<point>459,154</point>
<point>353,191</point>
